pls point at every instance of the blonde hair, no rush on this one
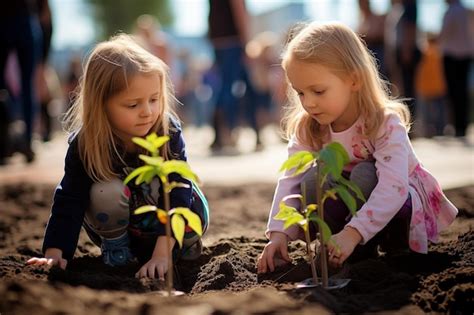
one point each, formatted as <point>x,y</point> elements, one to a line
<point>107,71</point>
<point>337,47</point>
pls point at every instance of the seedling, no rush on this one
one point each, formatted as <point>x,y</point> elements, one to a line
<point>174,219</point>
<point>330,161</point>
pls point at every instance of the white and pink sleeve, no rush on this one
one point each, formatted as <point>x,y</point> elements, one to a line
<point>287,185</point>
<point>392,148</point>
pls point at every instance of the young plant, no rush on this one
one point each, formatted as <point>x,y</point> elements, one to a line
<point>174,219</point>
<point>330,161</point>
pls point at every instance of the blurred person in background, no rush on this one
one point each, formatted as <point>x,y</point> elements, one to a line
<point>407,53</point>
<point>149,34</point>
<point>20,31</point>
<point>262,58</point>
<point>390,46</point>
<point>431,88</point>
<point>45,73</point>
<point>371,28</point>
<point>228,33</point>
<point>456,43</point>
<point>73,76</point>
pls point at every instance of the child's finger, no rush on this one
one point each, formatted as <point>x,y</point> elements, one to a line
<point>33,261</point>
<point>141,273</point>
<point>284,253</point>
<point>261,264</point>
<point>62,263</point>
<point>270,263</point>
<point>151,271</point>
<point>161,272</point>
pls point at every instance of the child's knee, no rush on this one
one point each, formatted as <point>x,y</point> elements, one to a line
<point>108,213</point>
<point>364,175</point>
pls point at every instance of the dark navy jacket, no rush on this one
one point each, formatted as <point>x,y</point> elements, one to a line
<point>71,198</point>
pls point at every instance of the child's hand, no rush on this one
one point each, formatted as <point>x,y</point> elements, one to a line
<point>343,245</point>
<point>52,257</point>
<point>274,254</point>
<point>156,267</point>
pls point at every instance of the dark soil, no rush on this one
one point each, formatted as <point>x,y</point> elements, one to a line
<point>224,280</point>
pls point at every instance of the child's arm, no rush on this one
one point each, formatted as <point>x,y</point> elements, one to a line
<point>70,201</point>
<point>392,155</point>
<point>287,185</point>
<point>157,266</point>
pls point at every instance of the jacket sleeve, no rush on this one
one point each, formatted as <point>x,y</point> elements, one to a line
<point>287,185</point>
<point>392,148</point>
<point>70,201</point>
<point>179,197</point>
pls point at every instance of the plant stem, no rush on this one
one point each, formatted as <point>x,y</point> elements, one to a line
<point>169,274</point>
<point>309,251</point>
<point>324,261</point>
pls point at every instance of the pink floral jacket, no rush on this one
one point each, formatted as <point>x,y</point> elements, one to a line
<point>399,173</point>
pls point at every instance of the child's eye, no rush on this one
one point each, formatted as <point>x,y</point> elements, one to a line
<point>154,100</point>
<point>132,105</point>
<point>319,92</point>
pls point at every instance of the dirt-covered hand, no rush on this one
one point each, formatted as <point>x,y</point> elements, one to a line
<point>52,257</point>
<point>274,254</point>
<point>342,245</point>
<point>156,267</point>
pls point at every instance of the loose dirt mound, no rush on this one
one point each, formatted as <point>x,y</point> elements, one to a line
<point>224,280</point>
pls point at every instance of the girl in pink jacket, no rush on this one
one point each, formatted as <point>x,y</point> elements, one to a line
<point>336,94</point>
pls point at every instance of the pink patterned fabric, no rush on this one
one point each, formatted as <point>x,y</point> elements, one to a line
<point>399,173</point>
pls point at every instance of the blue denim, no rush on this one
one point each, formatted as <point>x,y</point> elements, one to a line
<point>230,66</point>
<point>116,252</point>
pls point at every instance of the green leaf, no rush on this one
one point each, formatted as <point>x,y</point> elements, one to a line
<point>348,199</point>
<point>194,221</point>
<point>331,193</point>
<point>137,172</point>
<point>179,167</point>
<point>158,142</point>
<point>173,185</point>
<point>177,225</point>
<point>352,186</point>
<point>143,176</point>
<point>296,218</point>
<point>340,151</point>
<point>152,160</point>
<point>148,177</point>
<point>144,209</point>
<point>285,212</point>
<point>310,208</point>
<point>323,227</point>
<point>331,162</point>
<point>299,161</point>
<point>145,144</point>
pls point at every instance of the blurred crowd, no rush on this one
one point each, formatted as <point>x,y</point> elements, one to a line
<point>242,83</point>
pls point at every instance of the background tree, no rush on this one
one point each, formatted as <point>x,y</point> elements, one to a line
<point>112,16</point>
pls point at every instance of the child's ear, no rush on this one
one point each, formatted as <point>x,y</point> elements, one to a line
<point>355,81</point>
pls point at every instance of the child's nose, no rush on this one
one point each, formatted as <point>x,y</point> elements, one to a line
<point>309,102</point>
<point>147,109</point>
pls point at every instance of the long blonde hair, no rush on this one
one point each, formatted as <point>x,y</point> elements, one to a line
<point>107,71</point>
<point>337,47</point>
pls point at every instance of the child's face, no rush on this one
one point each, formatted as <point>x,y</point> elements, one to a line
<point>133,111</point>
<point>324,96</point>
